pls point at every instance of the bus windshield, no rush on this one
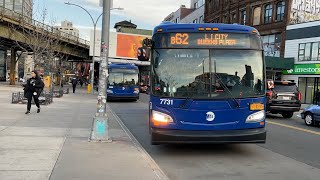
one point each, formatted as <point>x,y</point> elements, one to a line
<point>123,77</point>
<point>206,73</point>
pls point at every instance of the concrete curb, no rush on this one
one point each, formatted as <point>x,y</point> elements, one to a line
<point>157,170</point>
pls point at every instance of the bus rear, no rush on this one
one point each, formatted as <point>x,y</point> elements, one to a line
<point>123,82</point>
<point>207,84</point>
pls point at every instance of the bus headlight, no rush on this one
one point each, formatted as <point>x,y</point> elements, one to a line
<point>136,90</point>
<point>256,117</point>
<point>161,118</point>
<point>109,91</point>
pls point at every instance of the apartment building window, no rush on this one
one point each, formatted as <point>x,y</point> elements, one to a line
<point>201,19</point>
<point>195,21</point>
<point>267,13</point>
<point>256,15</point>
<point>234,18</point>
<point>225,19</point>
<point>280,11</point>
<point>309,51</point>
<point>195,5</point>
<point>200,3</point>
<point>216,5</point>
<point>271,45</point>
<point>243,17</point>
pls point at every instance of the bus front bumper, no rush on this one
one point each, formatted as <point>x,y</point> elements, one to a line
<point>169,136</point>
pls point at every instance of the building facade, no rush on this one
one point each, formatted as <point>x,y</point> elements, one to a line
<point>270,17</point>
<point>67,30</point>
<point>303,44</point>
<point>23,7</point>
<point>179,14</point>
<point>197,15</point>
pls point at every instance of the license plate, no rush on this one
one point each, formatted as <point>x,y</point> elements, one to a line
<point>286,97</point>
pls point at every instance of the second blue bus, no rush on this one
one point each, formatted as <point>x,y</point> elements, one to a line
<point>123,82</point>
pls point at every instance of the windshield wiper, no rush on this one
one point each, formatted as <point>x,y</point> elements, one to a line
<point>226,88</point>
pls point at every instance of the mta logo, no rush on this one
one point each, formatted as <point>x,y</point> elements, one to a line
<point>210,116</point>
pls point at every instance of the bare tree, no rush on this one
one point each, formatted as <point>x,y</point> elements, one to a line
<point>38,39</point>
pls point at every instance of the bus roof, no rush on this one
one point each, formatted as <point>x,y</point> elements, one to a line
<point>173,27</point>
<point>123,65</point>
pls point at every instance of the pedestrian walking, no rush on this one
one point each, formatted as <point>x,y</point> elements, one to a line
<point>33,89</point>
<point>74,84</point>
<point>81,82</point>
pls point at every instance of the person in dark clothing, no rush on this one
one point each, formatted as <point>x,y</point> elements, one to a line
<point>33,89</point>
<point>81,82</point>
<point>74,84</point>
<point>317,97</point>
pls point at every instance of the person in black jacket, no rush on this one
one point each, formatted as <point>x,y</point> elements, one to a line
<point>33,88</point>
<point>74,82</point>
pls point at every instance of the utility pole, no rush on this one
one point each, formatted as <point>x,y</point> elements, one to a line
<point>100,121</point>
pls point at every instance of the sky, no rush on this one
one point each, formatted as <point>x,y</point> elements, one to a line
<point>146,14</point>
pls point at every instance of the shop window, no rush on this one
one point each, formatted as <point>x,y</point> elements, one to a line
<point>268,13</point>
<point>309,51</point>
<point>256,16</point>
<point>280,11</point>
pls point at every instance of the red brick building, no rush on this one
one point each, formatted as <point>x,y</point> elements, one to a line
<point>270,17</point>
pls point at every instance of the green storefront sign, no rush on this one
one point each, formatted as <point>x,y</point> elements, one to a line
<point>303,69</point>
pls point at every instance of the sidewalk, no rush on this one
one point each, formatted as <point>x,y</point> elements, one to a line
<point>54,144</point>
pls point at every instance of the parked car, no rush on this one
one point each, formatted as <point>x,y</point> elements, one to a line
<point>311,115</point>
<point>283,98</point>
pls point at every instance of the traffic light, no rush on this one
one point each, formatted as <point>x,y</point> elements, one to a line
<point>147,42</point>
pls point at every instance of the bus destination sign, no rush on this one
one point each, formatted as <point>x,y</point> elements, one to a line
<point>205,39</point>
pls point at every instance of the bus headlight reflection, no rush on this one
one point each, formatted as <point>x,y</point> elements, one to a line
<point>256,117</point>
<point>161,118</point>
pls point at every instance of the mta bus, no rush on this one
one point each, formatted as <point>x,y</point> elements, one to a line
<point>123,82</point>
<point>207,84</point>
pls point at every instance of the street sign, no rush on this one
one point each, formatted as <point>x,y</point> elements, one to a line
<point>101,3</point>
<point>97,43</point>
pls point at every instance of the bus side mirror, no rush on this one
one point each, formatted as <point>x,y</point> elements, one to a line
<point>156,62</point>
<point>143,54</point>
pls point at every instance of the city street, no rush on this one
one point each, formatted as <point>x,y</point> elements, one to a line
<point>291,151</point>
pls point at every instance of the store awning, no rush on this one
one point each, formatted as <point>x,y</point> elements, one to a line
<point>278,63</point>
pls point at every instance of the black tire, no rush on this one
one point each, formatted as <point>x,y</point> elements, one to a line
<point>308,120</point>
<point>287,114</point>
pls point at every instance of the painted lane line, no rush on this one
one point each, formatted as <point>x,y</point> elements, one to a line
<point>295,128</point>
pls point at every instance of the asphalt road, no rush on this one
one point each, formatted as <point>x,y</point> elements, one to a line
<point>291,152</point>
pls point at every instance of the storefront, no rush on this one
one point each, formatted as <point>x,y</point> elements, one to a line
<point>307,77</point>
<point>276,65</point>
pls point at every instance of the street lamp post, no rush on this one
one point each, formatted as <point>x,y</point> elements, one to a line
<point>94,38</point>
<point>100,130</point>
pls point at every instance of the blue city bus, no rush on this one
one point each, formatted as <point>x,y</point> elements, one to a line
<point>123,83</point>
<point>207,84</point>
